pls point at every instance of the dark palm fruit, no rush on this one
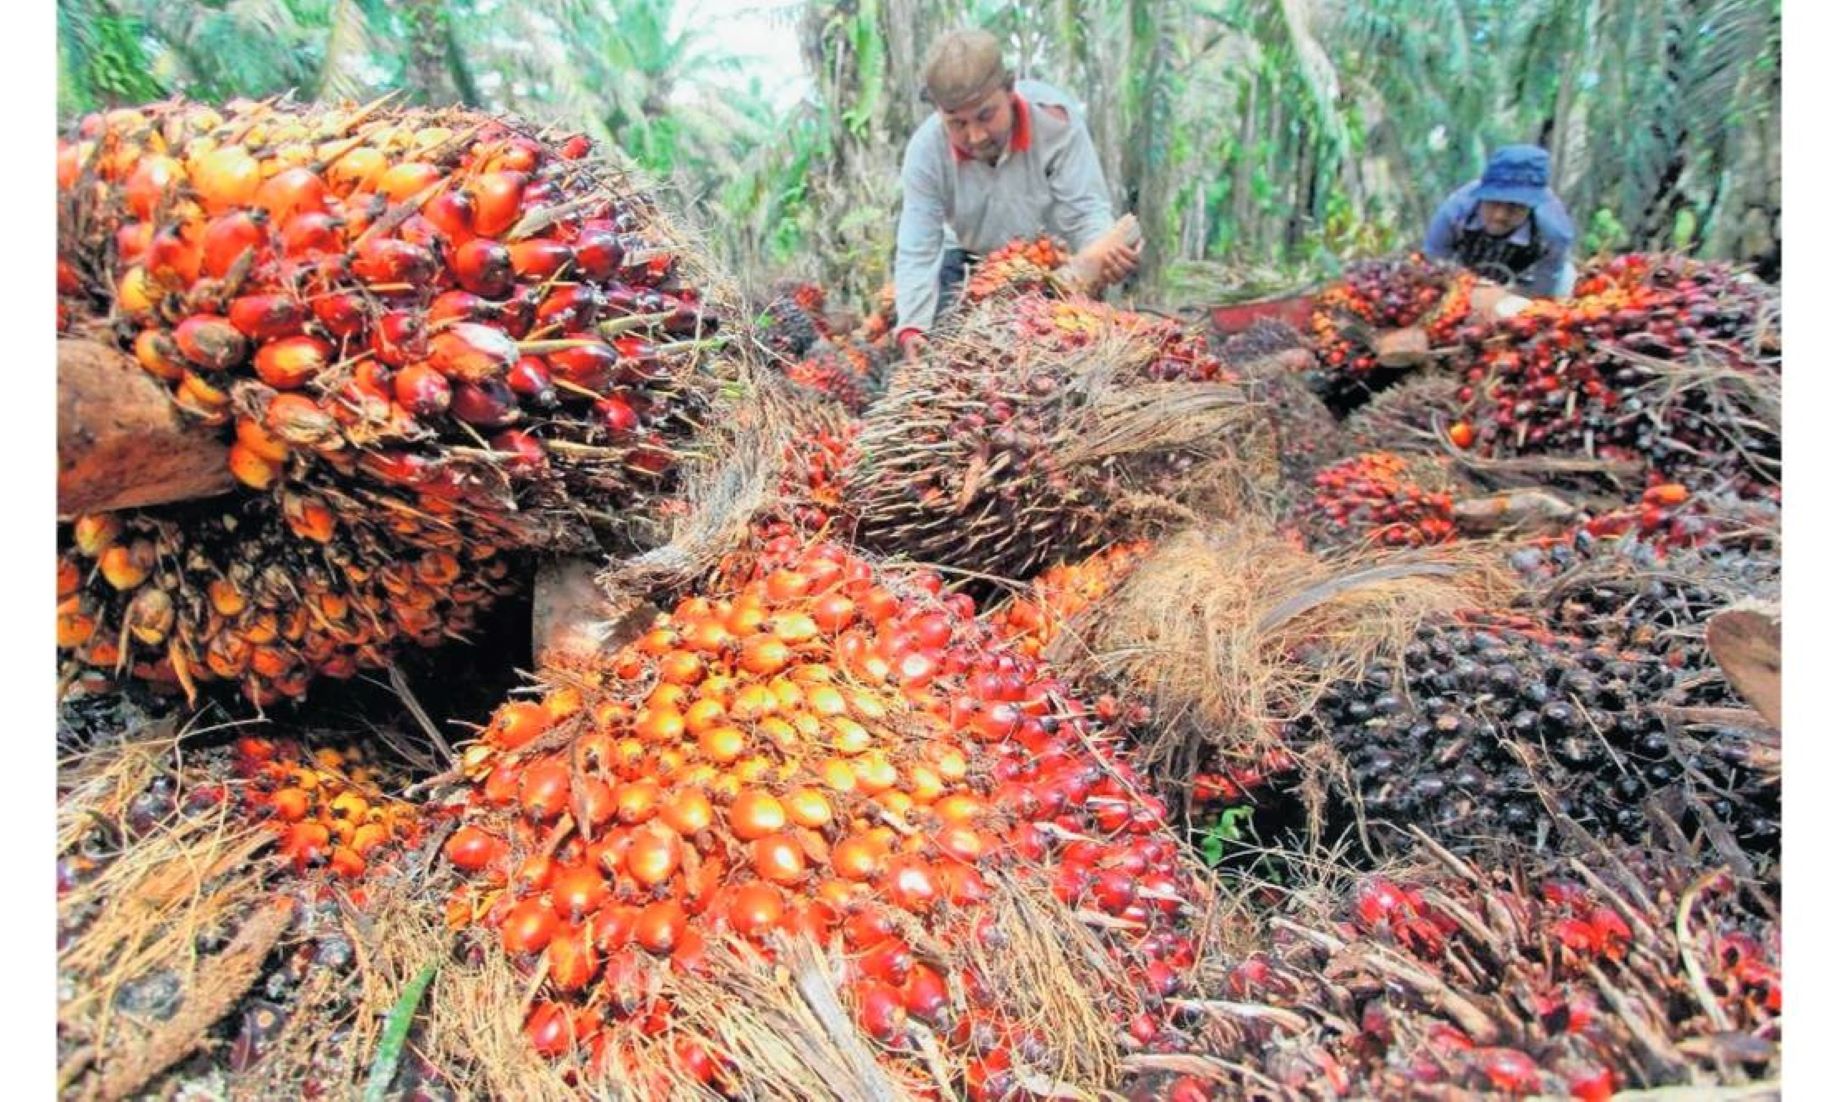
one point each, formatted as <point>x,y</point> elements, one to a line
<point>1493,747</point>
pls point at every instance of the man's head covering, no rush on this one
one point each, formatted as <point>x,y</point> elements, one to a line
<point>1516,174</point>
<point>963,67</point>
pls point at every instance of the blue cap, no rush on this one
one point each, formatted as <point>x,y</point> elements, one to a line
<point>1516,174</point>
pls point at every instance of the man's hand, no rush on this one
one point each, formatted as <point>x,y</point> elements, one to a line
<point>1118,261</point>
<point>912,346</point>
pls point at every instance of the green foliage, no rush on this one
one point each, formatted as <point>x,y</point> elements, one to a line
<point>1232,828</point>
<point>1244,133</point>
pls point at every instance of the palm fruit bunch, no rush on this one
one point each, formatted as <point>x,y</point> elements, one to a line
<point>1494,726</point>
<point>209,592</point>
<point>1662,361</point>
<point>793,321</point>
<point>820,746</point>
<point>1631,595</point>
<point>1528,976</point>
<point>428,337</point>
<point>327,806</point>
<point>1378,498</point>
<point>1076,322</point>
<point>1376,295</point>
<point>839,369</point>
<point>1023,266</point>
<point>1007,447</point>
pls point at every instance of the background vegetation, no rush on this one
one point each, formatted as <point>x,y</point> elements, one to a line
<point>1261,142</point>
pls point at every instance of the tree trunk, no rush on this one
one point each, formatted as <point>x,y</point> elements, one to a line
<point>121,442</point>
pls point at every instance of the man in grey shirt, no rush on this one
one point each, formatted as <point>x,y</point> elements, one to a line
<point>999,159</point>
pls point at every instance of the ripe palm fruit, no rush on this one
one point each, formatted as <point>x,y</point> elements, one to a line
<point>297,267</point>
<point>1020,437</point>
<point>1388,293</point>
<point>1379,499</point>
<point>265,610</point>
<point>1022,266</point>
<point>817,746</point>
<point>1669,363</point>
<point>838,370</point>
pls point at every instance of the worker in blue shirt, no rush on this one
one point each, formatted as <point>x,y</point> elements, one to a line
<point>1508,226</point>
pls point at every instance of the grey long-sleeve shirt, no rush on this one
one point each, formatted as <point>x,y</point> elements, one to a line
<point>1047,181</point>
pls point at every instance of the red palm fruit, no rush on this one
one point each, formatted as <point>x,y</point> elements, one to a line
<point>573,963</point>
<point>589,366</point>
<point>399,338</point>
<point>291,191</point>
<point>489,404</point>
<point>518,312</point>
<point>551,1030</point>
<point>529,926</point>
<point>616,416</point>
<point>171,256</point>
<point>422,390</point>
<point>311,233</point>
<point>266,317</point>
<point>925,995</point>
<point>343,314</point>
<point>523,453</point>
<point>451,212</point>
<point>459,306</point>
<point>540,257</point>
<point>575,148</point>
<point>529,379</point>
<point>230,235</point>
<point>473,353</point>
<point>402,182</point>
<point>598,254</point>
<point>210,342</point>
<point>417,230</point>
<point>226,177</point>
<point>156,351</point>
<point>575,306</point>
<point>484,267</point>
<point>497,201</point>
<point>879,1009</point>
<point>292,362</point>
<point>473,850</point>
<point>131,242</point>
<point>153,177</point>
<point>380,260</point>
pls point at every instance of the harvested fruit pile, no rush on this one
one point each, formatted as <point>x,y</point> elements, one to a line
<point>205,902</point>
<point>428,337</point>
<point>819,747</point>
<point>835,825</point>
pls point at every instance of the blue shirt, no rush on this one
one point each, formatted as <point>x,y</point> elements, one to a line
<point>1550,276</point>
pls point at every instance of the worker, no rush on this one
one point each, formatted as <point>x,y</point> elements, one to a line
<point>999,159</point>
<point>1508,226</point>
